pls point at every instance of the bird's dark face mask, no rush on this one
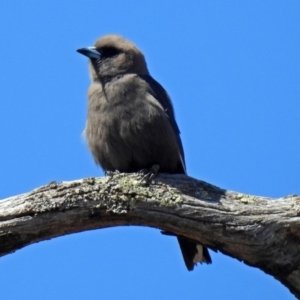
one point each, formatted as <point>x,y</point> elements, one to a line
<point>108,62</point>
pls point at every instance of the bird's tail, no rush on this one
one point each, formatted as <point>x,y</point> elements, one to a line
<point>193,253</point>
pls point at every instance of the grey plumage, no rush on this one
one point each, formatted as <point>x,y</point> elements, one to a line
<point>131,123</point>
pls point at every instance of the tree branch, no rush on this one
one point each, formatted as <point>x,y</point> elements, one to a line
<point>259,231</point>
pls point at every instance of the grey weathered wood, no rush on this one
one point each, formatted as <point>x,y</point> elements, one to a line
<point>261,232</point>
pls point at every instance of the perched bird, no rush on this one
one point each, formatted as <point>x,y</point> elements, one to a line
<point>131,123</point>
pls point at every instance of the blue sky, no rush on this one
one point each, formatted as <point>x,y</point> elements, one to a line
<point>232,69</point>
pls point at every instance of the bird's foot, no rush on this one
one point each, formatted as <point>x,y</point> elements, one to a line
<point>149,174</point>
<point>111,174</point>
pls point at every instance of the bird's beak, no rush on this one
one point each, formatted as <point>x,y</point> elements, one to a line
<point>90,52</point>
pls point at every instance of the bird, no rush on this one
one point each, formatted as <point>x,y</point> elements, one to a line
<point>131,123</point>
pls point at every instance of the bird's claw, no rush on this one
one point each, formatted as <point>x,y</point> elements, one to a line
<point>111,174</point>
<point>149,174</point>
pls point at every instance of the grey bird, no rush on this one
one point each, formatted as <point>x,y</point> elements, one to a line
<point>131,123</point>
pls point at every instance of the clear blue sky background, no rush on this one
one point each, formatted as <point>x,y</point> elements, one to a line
<point>232,69</point>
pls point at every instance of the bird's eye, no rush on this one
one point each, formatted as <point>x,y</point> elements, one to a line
<point>109,52</point>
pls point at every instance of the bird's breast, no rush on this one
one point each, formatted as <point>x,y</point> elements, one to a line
<point>127,128</point>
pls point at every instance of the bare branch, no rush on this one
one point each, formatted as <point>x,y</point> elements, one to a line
<point>262,232</point>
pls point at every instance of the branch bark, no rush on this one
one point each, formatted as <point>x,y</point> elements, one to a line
<point>259,231</point>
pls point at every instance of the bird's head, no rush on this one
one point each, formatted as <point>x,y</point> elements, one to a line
<point>113,55</point>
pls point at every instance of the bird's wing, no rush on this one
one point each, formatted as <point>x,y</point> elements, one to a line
<point>160,94</point>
